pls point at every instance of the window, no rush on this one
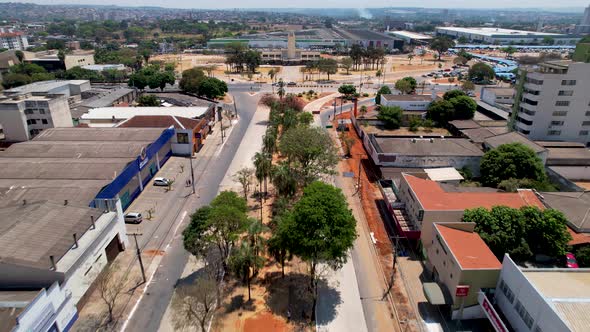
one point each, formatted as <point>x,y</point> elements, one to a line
<point>506,291</point>
<point>538,329</point>
<point>586,123</point>
<point>420,215</point>
<point>534,81</point>
<point>41,111</point>
<point>554,132</point>
<point>567,93</point>
<point>28,111</point>
<point>568,82</point>
<point>583,132</point>
<point>562,103</point>
<point>44,121</point>
<point>526,317</point>
<point>182,138</point>
<point>451,276</point>
<point>31,121</point>
<point>587,113</point>
<point>557,123</point>
<point>560,113</point>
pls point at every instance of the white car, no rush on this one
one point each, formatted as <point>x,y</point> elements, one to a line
<point>161,182</point>
<point>133,218</point>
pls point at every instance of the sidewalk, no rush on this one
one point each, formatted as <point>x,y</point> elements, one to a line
<point>250,144</point>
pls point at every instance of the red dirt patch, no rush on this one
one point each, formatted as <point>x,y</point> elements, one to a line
<point>153,252</point>
<point>265,322</point>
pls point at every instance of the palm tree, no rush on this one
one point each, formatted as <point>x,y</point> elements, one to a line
<point>422,54</point>
<point>243,259</point>
<point>281,89</point>
<point>271,74</point>
<point>363,111</point>
<point>257,241</point>
<point>410,57</point>
<point>283,179</point>
<point>269,142</point>
<point>263,163</point>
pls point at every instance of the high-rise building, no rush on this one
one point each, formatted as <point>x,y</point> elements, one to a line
<point>13,40</point>
<point>584,26</point>
<point>553,102</point>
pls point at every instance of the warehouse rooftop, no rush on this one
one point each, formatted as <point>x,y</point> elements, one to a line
<point>426,146</point>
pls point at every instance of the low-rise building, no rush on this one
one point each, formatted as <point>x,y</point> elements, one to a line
<point>51,61</point>
<point>69,88</point>
<point>111,116</point>
<point>189,135</point>
<point>426,202</point>
<point>406,152</point>
<point>535,300</point>
<point>411,38</point>
<point>497,96</point>
<point>459,261</point>
<point>418,103</point>
<point>25,116</point>
<point>493,35</point>
<point>575,206</point>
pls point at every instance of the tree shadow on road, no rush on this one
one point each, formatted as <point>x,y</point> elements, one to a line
<point>291,296</point>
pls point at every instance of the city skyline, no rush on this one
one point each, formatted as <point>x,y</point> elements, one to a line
<point>262,4</point>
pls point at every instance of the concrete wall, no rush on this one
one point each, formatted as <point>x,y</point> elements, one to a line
<point>14,121</point>
<point>408,105</point>
<point>82,265</point>
<point>541,311</point>
<point>52,307</point>
<point>403,161</point>
<point>489,96</point>
<point>183,149</point>
<point>72,60</point>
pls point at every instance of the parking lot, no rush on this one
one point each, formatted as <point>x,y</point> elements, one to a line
<point>158,199</point>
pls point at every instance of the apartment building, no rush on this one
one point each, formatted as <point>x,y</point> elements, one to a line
<point>553,102</point>
<point>24,116</point>
<point>13,40</point>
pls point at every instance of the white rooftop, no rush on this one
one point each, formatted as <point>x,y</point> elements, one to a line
<point>409,34</point>
<point>44,86</point>
<point>490,32</point>
<point>443,174</point>
<point>123,113</point>
<point>104,67</point>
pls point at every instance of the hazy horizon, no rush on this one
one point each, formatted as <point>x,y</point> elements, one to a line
<point>327,4</point>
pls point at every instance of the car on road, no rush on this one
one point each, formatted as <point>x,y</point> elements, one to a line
<point>570,261</point>
<point>291,84</point>
<point>133,218</point>
<point>161,182</point>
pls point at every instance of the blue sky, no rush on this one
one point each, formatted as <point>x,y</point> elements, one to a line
<point>324,3</point>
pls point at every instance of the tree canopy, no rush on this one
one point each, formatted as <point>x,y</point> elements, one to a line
<point>481,72</point>
<point>441,44</point>
<point>406,85</point>
<point>194,81</point>
<point>511,161</point>
<point>522,232</point>
<point>347,90</point>
<point>148,100</point>
<point>391,116</point>
<point>384,90</point>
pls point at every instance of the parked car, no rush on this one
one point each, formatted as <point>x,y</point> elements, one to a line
<point>570,261</point>
<point>133,218</point>
<point>291,84</point>
<point>161,182</point>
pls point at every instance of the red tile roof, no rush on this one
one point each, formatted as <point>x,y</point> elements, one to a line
<point>578,238</point>
<point>468,248</point>
<point>433,197</point>
<point>159,121</point>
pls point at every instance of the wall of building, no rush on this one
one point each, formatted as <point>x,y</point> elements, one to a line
<point>489,96</point>
<point>14,121</point>
<point>523,291</point>
<point>183,149</point>
<point>458,162</point>
<point>51,308</point>
<point>73,60</point>
<point>537,120</point>
<point>408,105</point>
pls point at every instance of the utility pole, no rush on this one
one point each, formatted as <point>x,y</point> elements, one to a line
<point>260,201</point>
<point>192,171</point>
<point>139,255</point>
<point>395,248</point>
<point>334,117</point>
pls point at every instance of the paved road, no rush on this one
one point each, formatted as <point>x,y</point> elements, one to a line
<point>209,172</point>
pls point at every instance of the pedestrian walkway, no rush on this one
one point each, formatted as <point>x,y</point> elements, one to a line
<point>250,144</point>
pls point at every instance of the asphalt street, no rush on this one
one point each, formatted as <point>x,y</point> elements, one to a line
<point>209,171</point>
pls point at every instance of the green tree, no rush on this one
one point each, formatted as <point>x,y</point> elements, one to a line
<point>403,86</point>
<point>328,66</point>
<point>410,57</point>
<point>309,152</point>
<point>27,69</point>
<point>347,90</point>
<point>441,44</point>
<point>464,107</point>
<point>441,111</point>
<point>212,87</point>
<point>509,50</point>
<point>462,40</point>
<point>347,64</point>
<point>502,229</point>
<point>138,80</point>
<point>384,90</point>
<point>244,178</point>
<point>320,229</point>
<point>148,100</point>
<point>284,180</point>
<point>263,165</point>
<point>481,72</point>
<point>511,161</point>
<point>453,94</point>
<point>548,40</point>
<point>191,80</point>
<point>547,231</point>
<point>19,55</point>
<point>583,256</point>
<point>243,260</point>
<point>391,116</point>
<point>305,118</point>
<point>12,80</point>
<point>468,86</point>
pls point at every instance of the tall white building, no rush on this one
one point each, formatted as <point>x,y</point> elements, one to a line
<point>24,116</point>
<point>584,26</point>
<point>553,102</point>
<point>13,40</point>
